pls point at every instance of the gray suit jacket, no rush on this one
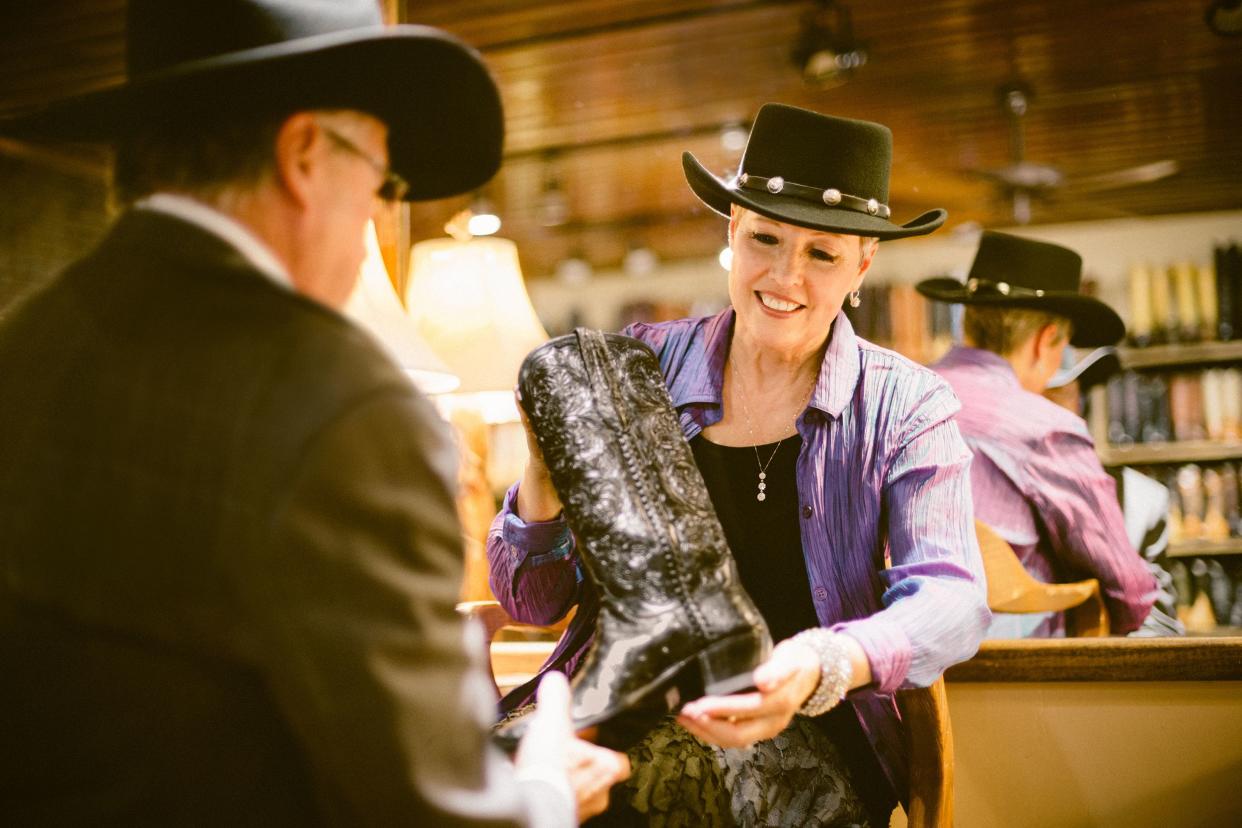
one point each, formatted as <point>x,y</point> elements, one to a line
<point>228,561</point>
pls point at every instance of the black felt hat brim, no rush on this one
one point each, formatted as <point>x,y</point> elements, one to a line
<point>719,196</point>
<point>442,109</point>
<point>1095,323</point>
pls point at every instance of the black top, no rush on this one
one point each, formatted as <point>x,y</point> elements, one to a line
<point>766,540</point>
<point>764,536</point>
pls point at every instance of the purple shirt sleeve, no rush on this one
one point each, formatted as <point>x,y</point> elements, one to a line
<point>533,566</point>
<point>1077,503</point>
<point>935,596</point>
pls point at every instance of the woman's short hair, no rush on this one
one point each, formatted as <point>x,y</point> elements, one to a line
<point>199,158</point>
<point>1004,330</point>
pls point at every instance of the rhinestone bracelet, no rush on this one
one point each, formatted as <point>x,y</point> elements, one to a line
<point>836,669</point>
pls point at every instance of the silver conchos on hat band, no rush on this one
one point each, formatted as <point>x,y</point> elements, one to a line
<point>777,185</point>
<point>975,285</point>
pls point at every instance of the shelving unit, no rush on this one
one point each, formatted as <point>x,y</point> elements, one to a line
<point>1185,451</point>
<point>1199,353</point>
<point>1201,548</point>
<point>1177,358</point>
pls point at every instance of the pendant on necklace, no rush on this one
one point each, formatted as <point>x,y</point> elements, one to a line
<point>761,496</point>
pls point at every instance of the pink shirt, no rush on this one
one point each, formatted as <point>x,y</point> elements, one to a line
<point>1038,482</point>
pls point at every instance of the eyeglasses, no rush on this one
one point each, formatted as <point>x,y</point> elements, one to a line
<point>393,187</point>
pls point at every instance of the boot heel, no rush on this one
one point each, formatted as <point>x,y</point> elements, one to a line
<point>726,666</point>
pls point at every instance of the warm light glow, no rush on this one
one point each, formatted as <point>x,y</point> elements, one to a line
<point>468,301</point>
<point>483,224</point>
<point>375,307</point>
<point>726,257</point>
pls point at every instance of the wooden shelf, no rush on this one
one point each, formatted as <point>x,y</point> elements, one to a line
<point>1193,549</point>
<point>1186,451</point>
<point>1173,355</point>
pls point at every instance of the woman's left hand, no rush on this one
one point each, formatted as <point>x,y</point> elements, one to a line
<point>783,683</point>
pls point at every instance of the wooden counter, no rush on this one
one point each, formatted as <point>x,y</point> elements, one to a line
<point>1104,659</point>
<point>1095,733</point>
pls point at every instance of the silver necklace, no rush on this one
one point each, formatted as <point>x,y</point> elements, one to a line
<point>761,492</point>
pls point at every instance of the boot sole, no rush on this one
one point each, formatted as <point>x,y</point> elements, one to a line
<point>720,669</point>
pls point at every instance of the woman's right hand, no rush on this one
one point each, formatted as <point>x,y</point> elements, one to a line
<point>537,500</point>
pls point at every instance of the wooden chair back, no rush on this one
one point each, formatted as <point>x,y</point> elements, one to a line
<point>929,737</point>
<point>1012,589</point>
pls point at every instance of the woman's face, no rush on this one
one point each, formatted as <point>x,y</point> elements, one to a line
<point>787,283</point>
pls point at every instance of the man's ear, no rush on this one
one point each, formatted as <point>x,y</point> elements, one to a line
<point>1049,337</point>
<point>297,152</point>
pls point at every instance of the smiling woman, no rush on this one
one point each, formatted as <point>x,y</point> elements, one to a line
<point>826,457</point>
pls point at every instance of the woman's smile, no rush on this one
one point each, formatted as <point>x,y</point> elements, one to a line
<point>778,306</point>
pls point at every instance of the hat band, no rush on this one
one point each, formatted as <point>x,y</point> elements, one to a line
<point>976,286</point>
<point>831,196</point>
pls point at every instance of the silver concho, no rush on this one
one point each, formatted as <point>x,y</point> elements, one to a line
<point>776,184</point>
<point>873,206</point>
<point>832,196</point>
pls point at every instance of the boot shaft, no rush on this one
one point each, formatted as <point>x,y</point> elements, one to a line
<point>632,493</point>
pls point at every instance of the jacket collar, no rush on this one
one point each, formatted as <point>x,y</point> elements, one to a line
<point>228,229</point>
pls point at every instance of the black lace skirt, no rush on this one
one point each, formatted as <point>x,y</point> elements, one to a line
<point>799,778</point>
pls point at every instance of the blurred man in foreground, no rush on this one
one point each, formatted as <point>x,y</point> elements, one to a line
<point>229,547</point>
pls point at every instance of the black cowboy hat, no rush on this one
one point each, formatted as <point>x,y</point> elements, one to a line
<point>1010,271</point>
<point>815,171</point>
<point>191,60</point>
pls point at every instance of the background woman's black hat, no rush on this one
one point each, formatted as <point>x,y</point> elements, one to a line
<point>1010,271</point>
<point>196,59</point>
<point>814,171</point>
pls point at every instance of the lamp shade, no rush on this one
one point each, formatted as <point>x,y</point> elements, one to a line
<point>468,301</point>
<point>375,307</point>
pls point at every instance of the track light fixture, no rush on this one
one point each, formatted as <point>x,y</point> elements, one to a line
<point>827,53</point>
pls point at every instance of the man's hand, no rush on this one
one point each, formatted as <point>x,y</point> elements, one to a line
<point>550,747</point>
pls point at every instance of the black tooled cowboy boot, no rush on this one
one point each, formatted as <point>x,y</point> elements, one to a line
<point>674,622</point>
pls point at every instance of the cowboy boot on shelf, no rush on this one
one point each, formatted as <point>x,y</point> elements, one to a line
<point>674,622</point>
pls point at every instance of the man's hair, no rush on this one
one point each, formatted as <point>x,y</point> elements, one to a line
<point>1004,330</point>
<point>195,158</point>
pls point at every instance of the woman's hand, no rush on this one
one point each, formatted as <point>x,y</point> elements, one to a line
<point>537,500</point>
<point>783,683</point>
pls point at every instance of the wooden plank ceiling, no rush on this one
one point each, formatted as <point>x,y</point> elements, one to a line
<point>602,97</point>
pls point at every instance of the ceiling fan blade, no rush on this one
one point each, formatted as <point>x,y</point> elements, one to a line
<point>1142,174</point>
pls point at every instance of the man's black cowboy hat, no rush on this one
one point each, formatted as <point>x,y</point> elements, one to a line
<point>814,171</point>
<point>195,60</point>
<point>1010,271</point>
